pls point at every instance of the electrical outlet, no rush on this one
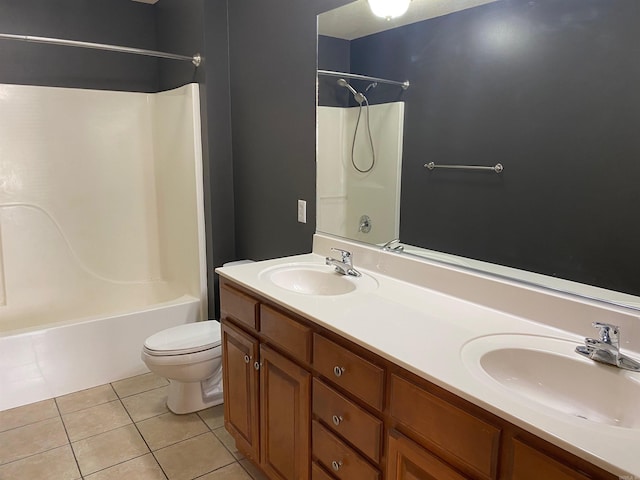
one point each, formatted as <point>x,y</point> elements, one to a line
<point>302,211</point>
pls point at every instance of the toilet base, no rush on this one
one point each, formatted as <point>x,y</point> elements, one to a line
<point>189,397</point>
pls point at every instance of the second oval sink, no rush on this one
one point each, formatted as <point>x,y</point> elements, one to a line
<point>548,372</point>
<point>314,279</point>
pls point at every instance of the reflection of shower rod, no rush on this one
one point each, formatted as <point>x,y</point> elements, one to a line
<point>498,168</point>
<point>355,76</point>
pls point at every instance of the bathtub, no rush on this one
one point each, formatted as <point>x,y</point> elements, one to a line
<point>53,360</point>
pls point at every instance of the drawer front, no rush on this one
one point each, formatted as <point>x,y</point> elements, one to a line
<point>461,438</point>
<point>238,306</point>
<point>348,370</point>
<point>531,464</point>
<point>287,333</point>
<point>344,462</point>
<point>347,419</point>
<point>318,473</point>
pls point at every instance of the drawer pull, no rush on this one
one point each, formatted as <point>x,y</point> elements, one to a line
<point>338,371</point>
<point>336,465</point>
<point>337,420</point>
<point>247,359</point>
<point>256,365</point>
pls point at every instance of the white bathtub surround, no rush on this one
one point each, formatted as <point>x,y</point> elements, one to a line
<point>423,314</point>
<point>101,220</point>
<point>345,194</point>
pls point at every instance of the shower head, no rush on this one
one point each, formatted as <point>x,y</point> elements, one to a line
<point>359,97</point>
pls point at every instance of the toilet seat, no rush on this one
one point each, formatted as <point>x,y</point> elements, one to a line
<point>184,339</point>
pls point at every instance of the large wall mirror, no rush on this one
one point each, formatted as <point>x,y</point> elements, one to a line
<point>548,89</point>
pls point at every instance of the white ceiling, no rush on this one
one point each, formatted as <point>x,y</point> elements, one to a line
<point>355,20</point>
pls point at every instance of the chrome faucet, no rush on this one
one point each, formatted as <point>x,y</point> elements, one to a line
<point>393,246</point>
<point>345,265</point>
<point>606,349</point>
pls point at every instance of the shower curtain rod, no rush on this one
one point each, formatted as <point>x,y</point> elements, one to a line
<point>355,76</point>
<point>195,59</point>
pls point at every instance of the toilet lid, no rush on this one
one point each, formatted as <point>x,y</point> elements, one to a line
<point>187,338</point>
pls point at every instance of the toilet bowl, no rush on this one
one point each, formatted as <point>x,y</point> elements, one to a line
<point>190,357</point>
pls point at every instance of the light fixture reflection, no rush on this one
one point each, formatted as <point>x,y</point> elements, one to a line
<point>389,8</point>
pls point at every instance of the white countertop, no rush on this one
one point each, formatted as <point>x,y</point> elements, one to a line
<point>425,331</point>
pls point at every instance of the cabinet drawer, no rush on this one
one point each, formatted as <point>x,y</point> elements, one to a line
<point>286,333</point>
<point>461,438</point>
<point>348,370</point>
<point>347,419</point>
<point>337,457</point>
<point>318,473</point>
<point>531,464</point>
<point>240,307</point>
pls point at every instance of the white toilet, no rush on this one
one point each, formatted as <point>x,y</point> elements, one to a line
<point>190,357</point>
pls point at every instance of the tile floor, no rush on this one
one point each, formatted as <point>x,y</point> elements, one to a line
<point>115,431</point>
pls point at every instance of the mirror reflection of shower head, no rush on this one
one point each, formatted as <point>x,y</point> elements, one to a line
<point>359,97</point>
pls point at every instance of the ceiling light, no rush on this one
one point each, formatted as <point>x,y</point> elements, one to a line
<point>389,8</point>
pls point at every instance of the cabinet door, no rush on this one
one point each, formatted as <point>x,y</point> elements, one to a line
<point>240,386</point>
<point>531,464</point>
<point>409,461</point>
<point>285,404</point>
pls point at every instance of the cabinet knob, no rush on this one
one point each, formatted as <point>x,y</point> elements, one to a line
<point>338,371</point>
<point>337,420</point>
<point>247,359</point>
<point>336,465</point>
<point>256,365</point>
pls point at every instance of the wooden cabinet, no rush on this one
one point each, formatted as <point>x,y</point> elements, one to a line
<point>464,440</point>
<point>267,396</point>
<point>528,463</point>
<point>409,461</point>
<point>240,383</point>
<point>351,372</point>
<point>303,403</point>
<point>348,420</point>
<point>285,390</point>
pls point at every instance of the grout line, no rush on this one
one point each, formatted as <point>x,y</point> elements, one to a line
<point>144,439</point>
<point>73,452</point>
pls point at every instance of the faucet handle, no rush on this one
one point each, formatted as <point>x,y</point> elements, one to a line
<point>608,333</point>
<point>346,255</point>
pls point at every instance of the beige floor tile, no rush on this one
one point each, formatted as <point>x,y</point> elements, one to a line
<point>92,421</point>
<point>194,457</point>
<point>167,429</point>
<point>31,439</point>
<point>230,472</point>
<point>32,413</point>
<point>138,384</point>
<point>255,473</point>
<point>141,468</point>
<point>108,449</point>
<point>147,404</point>
<point>213,417</point>
<point>228,442</point>
<point>57,464</point>
<point>86,398</point>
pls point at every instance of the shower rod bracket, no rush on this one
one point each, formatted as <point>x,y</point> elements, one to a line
<point>498,168</point>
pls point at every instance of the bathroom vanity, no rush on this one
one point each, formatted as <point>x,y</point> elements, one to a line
<point>381,377</point>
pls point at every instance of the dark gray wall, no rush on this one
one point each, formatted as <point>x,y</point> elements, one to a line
<point>273,94</point>
<point>187,27</point>
<point>119,22</point>
<point>553,99</point>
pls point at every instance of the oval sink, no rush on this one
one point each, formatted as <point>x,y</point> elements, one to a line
<point>548,372</point>
<point>315,279</point>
